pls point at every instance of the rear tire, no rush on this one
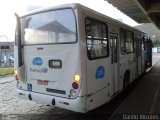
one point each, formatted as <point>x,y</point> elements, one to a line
<point>126,79</point>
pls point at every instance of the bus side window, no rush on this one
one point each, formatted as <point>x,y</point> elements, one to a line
<point>122,41</point>
<point>129,42</point>
<point>96,39</point>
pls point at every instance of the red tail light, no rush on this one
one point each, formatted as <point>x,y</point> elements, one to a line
<point>16,77</point>
<point>75,85</point>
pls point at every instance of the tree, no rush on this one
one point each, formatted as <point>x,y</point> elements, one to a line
<point>156,43</point>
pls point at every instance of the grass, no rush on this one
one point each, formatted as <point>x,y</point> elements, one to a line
<point>6,71</point>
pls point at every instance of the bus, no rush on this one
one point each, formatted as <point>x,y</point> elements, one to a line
<point>75,58</point>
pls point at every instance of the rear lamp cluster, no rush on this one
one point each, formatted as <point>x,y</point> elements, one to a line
<point>75,85</point>
<point>76,80</point>
<point>16,75</point>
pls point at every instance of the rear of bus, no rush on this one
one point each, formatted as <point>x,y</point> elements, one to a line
<point>48,50</point>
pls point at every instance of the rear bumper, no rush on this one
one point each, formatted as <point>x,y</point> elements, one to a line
<point>77,105</point>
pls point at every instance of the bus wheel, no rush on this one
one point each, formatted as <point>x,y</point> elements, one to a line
<point>126,79</point>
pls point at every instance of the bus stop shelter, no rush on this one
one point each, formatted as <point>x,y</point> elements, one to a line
<point>142,11</point>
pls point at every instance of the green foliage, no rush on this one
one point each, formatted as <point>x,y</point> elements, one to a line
<point>6,71</point>
<point>156,42</point>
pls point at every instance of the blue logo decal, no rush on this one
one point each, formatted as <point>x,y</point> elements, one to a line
<point>37,61</point>
<point>29,87</point>
<point>100,72</point>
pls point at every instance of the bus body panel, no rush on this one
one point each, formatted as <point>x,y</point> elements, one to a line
<point>77,105</point>
<point>114,42</point>
<point>138,41</point>
<point>94,94</point>
<point>55,78</point>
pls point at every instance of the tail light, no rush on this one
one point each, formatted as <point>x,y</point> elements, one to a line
<point>16,77</point>
<point>76,78</point>
<point>15,72</point>
<point>75,85</point>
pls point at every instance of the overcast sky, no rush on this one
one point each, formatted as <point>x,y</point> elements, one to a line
<point>8,7</point>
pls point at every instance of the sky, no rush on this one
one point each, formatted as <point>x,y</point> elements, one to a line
<point>9,7</point>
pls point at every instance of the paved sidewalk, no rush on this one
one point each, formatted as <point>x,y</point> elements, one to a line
<point>143,102</point>
<point>11,104</point>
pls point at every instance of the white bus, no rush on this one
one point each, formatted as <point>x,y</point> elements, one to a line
<point>75,58</point>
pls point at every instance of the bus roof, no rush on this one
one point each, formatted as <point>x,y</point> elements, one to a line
<point>39,10</point>
<point>76,5</point>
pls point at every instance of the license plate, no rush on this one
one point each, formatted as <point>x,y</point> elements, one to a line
<point>42,82</point>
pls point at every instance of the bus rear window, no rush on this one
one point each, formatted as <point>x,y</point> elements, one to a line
<point>57,26</point>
